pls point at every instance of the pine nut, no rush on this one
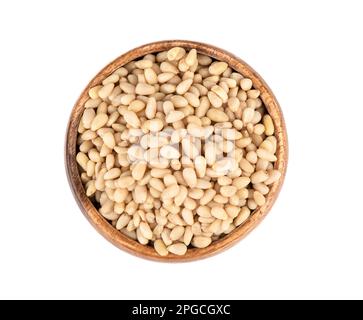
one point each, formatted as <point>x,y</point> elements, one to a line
<point>160,248</point>
<point>191,57</point>
<point>190,177</point>
<point>217,68</point>
<point>201,242</point>
<point>219,213</point>
<point>131,119</point>
<point>174,116</point>
<point>145,230</point>
<point>259,176</point>
<point>246,84</point>
<point>175,53</point>
<point>217,115</point>
<point>178,249</point>
<point>144,89</point>
<point>184,86</point>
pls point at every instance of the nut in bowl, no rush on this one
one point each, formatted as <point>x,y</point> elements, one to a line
<point>176,150</point>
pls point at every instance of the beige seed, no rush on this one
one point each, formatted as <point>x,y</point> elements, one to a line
<point>112,174</point>
<point>160,248</point>
<point>157,184</point>
<point>192,99</point>
<point>168,67</point>
<point>168,107</point>
<point>242,217</point>
<point>203,107</point>
<point>159,172</point>
<point>132,119</point>
<point>145,230</point>
<point>92,103</point>
<point>217,115</point>
<point>204,211</point>
<point>106,90</point>
<point>244,142</point>
<point>139,194</point>
<point>188,235</point>
<point>143,64</point>
<point>99,121</point>
<point>259,198</point>
<point>201,242</point>
<point>179,101</point>
<point>228,191</point>
<point>90,168</point>
<point>174,116</point>
<point>191,57</point>
<point>262,188</point>
<point>274,175</point>
<point>87,118</point>
<point>200,165</point>
<point>214,99</point>
<point>165,77</point>
<point>178,249</point>
<point>136,105</point>
<point>109,140</point>
<point>127,87</point>
<point>217,68</point>
<point>251,157</point>
<point>82,160</point>
<point>170,191</point>
<point>144,89</point>
<point>150,110</point>
<point>233,104</point>
<point>247,115</point>
<point>187,215</point>
<point>219,213</point>
<point>190,177</point>
<point>150,76</point>
<point>91,188</point>
<point>124,182</point>
<point>246,84</point>
<point>154,125</point>
<point>176,233</point>
<point>195,193</point>
<point>246,166</point>
<point>184,86</point>
<point>175,53</point>
<point>169,152</point>
<point>113,78</point>
<point>259,176</point>
<point>220,93</point>
<point>224,181</point>
<point>181,196</point>
<point>269,126</point>
<point>241,182</point>
<point>139,170</point>
<point>231,134</point>
<point>122,221</point>
<point>232,211</point>
<point>120,195</point>
<point>169,180</point>
<point>93,92</point>
<point>266,155</point>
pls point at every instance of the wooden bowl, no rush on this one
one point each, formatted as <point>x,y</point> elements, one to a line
<point>130,245</point>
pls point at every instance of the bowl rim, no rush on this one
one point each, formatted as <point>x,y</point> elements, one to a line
<point>132,246</point>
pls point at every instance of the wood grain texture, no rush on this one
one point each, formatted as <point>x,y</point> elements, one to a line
<point>132,246</point>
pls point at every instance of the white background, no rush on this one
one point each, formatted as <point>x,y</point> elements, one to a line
<point>309,52</point>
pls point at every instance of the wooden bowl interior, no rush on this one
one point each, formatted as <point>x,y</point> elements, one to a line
<point>130,245</point>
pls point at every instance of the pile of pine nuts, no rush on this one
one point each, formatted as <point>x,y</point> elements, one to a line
<point>176,150</point>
